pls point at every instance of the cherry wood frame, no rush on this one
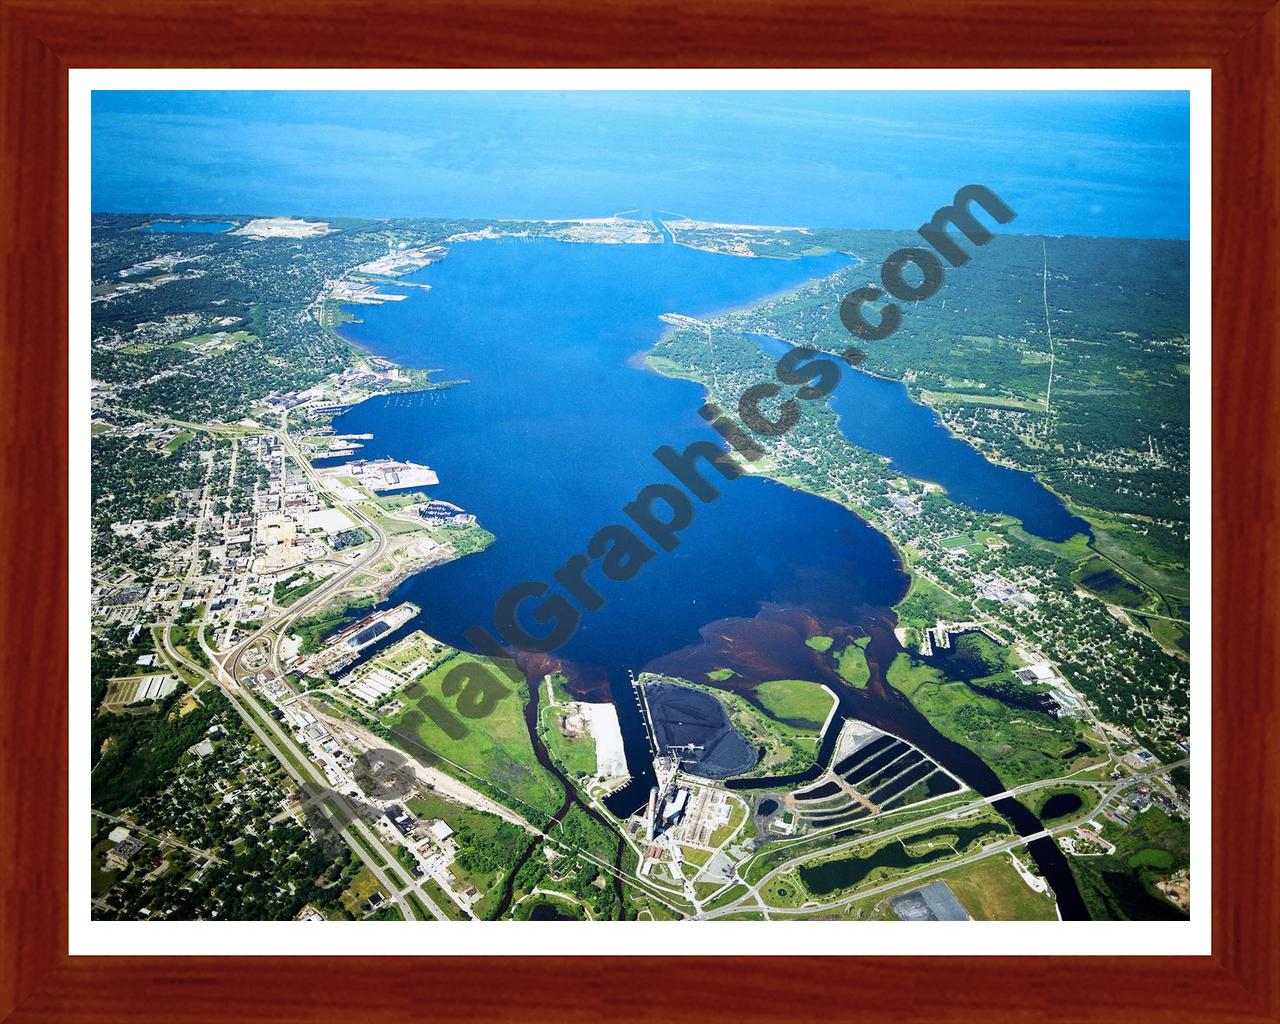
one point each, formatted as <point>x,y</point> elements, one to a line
<point>41,39</point>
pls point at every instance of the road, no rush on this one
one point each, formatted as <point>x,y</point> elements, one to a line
<point>227,669</point>
<point>161,837</point>
<point>226,674</point>
<point>276,627</point>
<point>1115,789</point>
<point>438,780</point>
<point>300,768</point>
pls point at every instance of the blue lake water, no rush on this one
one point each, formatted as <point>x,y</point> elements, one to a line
<point>197,227</point>
<point>879,415</point>
<point>554,433</point>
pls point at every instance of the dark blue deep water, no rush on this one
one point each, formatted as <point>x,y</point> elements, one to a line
<point>879,415</point>
<point>554,432</point>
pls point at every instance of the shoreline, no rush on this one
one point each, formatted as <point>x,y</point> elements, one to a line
<point>641,359</point>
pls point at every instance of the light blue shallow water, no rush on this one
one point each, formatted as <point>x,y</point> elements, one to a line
<point>196,227</point>
<point>1080,163</point>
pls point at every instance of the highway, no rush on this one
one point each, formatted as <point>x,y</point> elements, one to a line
<point>447,784</point>
<point>296,761</point>
<point>229,670</point>
<point>302,771</point>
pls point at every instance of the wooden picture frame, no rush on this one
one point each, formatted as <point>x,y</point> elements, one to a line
<point>42,39</point>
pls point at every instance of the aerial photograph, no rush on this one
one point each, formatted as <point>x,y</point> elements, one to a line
<point>532,505</point>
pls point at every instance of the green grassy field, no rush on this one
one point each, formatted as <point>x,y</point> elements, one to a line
<point>412,648</point>
<point>229,340</point>
<point>294,587</point>
<point>925,603</point>
<point>695,856</point>
<point>496,749</point>
<point>1020,745</point>
<point>958,398</point>
<point>1171,634</point>
<point>1099,577</point>
<point>796,699</point>
<point>992,890</point>
<point>392,527</point>
<point>667,367</point>
<point>361,888</point>
<point>464,540</point>
<point>576,755</point>
<point>391,502</point>
<point>1074,549</point>
<point>785,891</point>
<point>819,643</point>
<point>979,540</point>
<point>182,438</point>
<point>1143,557</point>
<point>852,664</point>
